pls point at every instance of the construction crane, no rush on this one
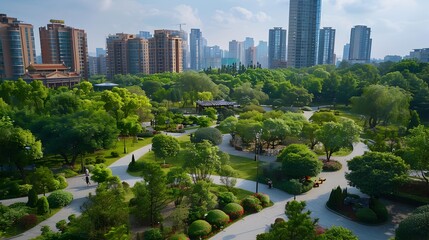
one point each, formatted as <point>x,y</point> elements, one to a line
<point>180,25</point>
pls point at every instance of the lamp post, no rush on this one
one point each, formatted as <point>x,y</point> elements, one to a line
<point>257,138</point>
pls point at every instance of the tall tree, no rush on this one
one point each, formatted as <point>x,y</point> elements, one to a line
<point>165,146</point>
<point>417,153</point>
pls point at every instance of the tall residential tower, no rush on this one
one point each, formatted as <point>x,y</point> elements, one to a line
<point>165,52</point>
<point>17,48</point>
<point>196,49</point>
<point>360,44</point>
<point>304,24</point>
<point>277,48</point>
<point>326,46</point>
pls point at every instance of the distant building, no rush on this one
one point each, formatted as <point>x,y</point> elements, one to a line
<point>421,55</point>
<point>196,49</point>
<point>304,24</point>
<point>17,48</point>
<point>126,54</point>
<point>52,75</point>
<point>346,52</point>
<point>236,51</point>
<point>326,46</point>
<point>212,57</point>
<point>276,47</point>
<point>392,58</point>
<point>63,44</point>
<point>262,54</point>
<point>99,52</point>
<point>144,34</point>
<point>360,44</point>
<point>250,57</point>
<point>165,52</point>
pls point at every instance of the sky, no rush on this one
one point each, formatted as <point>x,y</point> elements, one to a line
<point>398,26</point>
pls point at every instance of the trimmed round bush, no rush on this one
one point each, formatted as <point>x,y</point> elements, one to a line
<point>251,204</point>
<point>217,218</point>
<point>199,228</point>
<point>42,206</point>
<point>413,227</point>
<point>234,210</point>
<point>27,221</point>
<point>331,166</point>
<point>422,209</point>
<point>179,236</point>
<point>380,210</point>
<point>207,133</point>
<point>366,215</point>
<point>226,197</point>
<point>63,182</point>
<point>152,234</point>
<point>60,198</point>
<point>264,198</point>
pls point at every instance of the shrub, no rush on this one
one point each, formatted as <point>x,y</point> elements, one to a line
<point>217,218</point>
<point>413,227</point>
<point>68,173</point>
<point>11,214</point>
<point>251,204</point>
<point>59,199</point>
<point>292,186</point>
<point>61,225</point>
<point>152,234</point>
<point>331,166</point>
<point>422,209</point>
<point>63,182</point>
<point>199,229</point>
<point>264,198</point>
<point>379,209</point>
<point>32,198</point>
<point>100,159</point>
<point>135,166</point>
<point>234,210</point>
<point>336,200</point>
<point>89,161</point>
<point>179,236</point>
<point>204,121</point>
<point>145,134</point>
<point>306,108</point>
<point>226,197</point>
<point>27,221</point>
<point>366,215</point>
<point>42,206</point>
<point>114,154</point>
<point>211,134</point>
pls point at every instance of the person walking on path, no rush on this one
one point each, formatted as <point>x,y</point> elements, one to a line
<point>87,176</point>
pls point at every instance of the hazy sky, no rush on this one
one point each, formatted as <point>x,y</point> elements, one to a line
<point>398,26</point>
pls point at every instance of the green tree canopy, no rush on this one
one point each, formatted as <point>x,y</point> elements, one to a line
<point>213,135</point>
<point>165,146</point>
<point>298,161</point>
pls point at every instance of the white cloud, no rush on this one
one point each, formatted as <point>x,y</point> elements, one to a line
<point>241,12</point>
<point>262,17</point>
<point>186,14</point>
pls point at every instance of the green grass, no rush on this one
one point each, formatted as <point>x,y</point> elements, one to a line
<point>245,167</point>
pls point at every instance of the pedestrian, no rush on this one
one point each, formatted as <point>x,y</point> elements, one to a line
<point>87,176</point>
<point>270,184</point>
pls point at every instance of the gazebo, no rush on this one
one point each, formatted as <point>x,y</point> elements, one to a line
<point>217,104</point>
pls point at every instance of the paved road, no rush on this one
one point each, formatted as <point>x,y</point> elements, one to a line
<point>248,227</point>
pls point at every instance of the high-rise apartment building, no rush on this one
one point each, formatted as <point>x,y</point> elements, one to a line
<point>421,55</point>
<point>304,24</point>
<point>165,52</point>
<point>126,54</point>
<point>276,47</point>
<point>236,51</point>
<point>100,51</point>
<point>196,49</point>
<point>250,57</point>
<point>144,34</point>
<point>346,52</point>
<point>360,44</point>
<point>63,44</point>
<point>212,57</point>
<point>17,48</point>
<point>326,46</point>
<point>262,54</point>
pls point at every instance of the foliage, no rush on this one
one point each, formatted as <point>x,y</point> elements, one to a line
<point>178,236</point>
<point>247,129</point>
<point>179,217</point>
<point>274,131</point>
<point>309,132</point>
<point>414,226</point>
<point>28,221</point>
<point>32,198</point>
<point>335,136</point>
<point>43,180</point>
<point>213,135</point>
<point>377,173</point>
<point>201,199</point>
<point>421,209</point>
<point>228,176</point>
<point>152,234</point>
<point>9,215</point>
<point>336,199</point>
<point>251,204</point>
<point>62,182</point>
<point>204,121</point>
<point>338,233</point>
<point>264,198</point>
<point>100,173</point>
<point>366,215</point>
<point>322,117</point>
<point>228,124</point>
<point>298,161</point>
<point>179,183</point>
<point>165,146</point>
<point>59,199</point>
<point>199,228</point>
<point>331,166</point>
<point>379,210</point>
<point>202,159</point>
<point>225,198</point>
<point>217,218</point>
<point>42,205</point>
<point>234,210</point>
<point>293,187</point>
<point>417,153</point>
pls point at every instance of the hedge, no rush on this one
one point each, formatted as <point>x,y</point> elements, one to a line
<point>414,227</point>
<point>234,210</point>
<point>422,209</point>
<point>251,204</point>
<point>179,236</point>
<point>59,198</point>
<point>380,210</point>
<point>63,182</point>
<point>42,206</point>
<point>217,218</point>
<point>225,198</point>
<point>366,215</point>
<point>264,198</point>
<point>199,228</point>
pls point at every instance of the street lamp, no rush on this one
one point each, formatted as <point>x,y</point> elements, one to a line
<point>257,138</point>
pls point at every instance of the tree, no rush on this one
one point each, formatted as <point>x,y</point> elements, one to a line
<point>179,183</point>
<point>298,161</point>
<point>247,91</point>
<point>201,200</point>
<point>43,180</point>
<point>309,132</point>
<point>338,233</point>
<point>382,104</point>
<point>228,176</point>
<point>165,146</point>
<point>335,136</point>
<point>247,129</point>
<point>228,124</point>
<point>191,83</point>
<point>101,173</point>
<point>417,153</point>
<point>213,135</point>
<point>414,120</point>
<point>201,160</point>
<point>118,233</point>
<point>274,130</point>
<point>376,173</point>
<point>322,117</point>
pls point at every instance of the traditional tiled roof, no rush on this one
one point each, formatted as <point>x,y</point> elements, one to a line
<point>216,103</point>
<point>47,67</point>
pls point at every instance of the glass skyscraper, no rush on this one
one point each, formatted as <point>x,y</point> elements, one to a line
<point>276,47</point>
<point>360,44</point>
<point>326,46</point>
<point>304,24</point>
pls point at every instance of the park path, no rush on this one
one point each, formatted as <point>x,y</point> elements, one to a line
<point>248,227</point>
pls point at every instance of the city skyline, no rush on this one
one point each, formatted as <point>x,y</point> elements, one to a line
<point>393,22</point>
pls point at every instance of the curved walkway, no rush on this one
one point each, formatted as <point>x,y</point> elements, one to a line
<point>248,227</point>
